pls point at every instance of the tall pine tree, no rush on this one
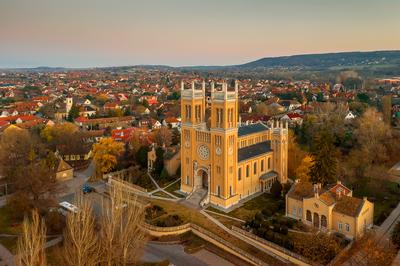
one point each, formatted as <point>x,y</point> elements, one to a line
<point>324,158</point>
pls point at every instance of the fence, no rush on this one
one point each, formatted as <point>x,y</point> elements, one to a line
<point>291,256</point>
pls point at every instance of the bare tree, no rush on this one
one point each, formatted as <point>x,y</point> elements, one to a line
<point>81,246</point>
<point>121,235</point>
<point>163,137</point>
<point>30,247</point>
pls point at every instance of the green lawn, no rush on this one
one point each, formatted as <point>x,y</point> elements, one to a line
<point>9,243</point>
<point>251,207</point>
<point>174,187</point>
<point>162,195</point>
<point>385,195</point>
<point>8,224</point>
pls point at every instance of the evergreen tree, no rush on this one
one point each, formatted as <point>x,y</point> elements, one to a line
<point>324,161</point>
<point>141,156</point>
<point>159,163</point>
<point>73,113</point>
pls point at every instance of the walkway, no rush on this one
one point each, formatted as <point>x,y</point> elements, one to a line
<point>158,188</point>
<point>7,258</point>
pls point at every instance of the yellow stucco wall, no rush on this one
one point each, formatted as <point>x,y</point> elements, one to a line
<point>214,151</point>
<point>352,227</point>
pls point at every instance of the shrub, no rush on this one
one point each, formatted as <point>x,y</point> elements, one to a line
<point>276,189</point>
<point>395,237</point>
<point>55,222</point>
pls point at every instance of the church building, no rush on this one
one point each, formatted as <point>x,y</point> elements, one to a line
<point>222,159</point>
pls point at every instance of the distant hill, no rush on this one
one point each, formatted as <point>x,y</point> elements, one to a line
<point>329,60</point>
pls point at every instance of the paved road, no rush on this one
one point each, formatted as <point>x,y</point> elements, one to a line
<point>73,185</point>
<point>177,256</point>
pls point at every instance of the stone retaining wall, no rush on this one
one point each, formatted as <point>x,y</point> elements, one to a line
<point>276,249</point>
<point>165,231</point>
<point>206,235</point>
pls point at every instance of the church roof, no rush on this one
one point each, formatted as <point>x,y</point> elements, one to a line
<point>250,129</point>
<point>254,150</point>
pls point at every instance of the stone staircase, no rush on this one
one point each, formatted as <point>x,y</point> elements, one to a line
<point>195,198</point>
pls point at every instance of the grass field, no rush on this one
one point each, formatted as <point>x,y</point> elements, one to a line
<point>162,195</point>
<point>174,187</point>
<point>251,207</point>
<point>385,195</point>
<point>10,226</point>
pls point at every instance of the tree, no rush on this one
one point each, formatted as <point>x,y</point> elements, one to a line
<point>372,252</point>
<point>295,154</point>
<point>35,186</point>
<point>59,133</point>
<point>47,110</point>
<point>80,239</point>
<point>159,163</point>
<point>30,246</point>
<point>141,156</point>
<point>105,154</point>
<point>276,189</point>
<point>73,113</point>
<point>324,159</point>
<point>122,237</point>
<point>319,248</point>
<point>303,171</point>
<point>395,236</point>
<point>176,137</point>
<point>163,137</point>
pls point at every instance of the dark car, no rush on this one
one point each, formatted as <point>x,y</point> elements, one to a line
<point>87,189</point>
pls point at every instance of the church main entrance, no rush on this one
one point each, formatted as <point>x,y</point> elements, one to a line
<point>204,178</point>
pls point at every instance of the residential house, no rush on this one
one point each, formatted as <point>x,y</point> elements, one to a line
<point>330,209</point>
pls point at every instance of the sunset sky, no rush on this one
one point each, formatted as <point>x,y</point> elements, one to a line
<point>89,33</point>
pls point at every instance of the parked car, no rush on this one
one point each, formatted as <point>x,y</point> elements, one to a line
<point>87,189</point>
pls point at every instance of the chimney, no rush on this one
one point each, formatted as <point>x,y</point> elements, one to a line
<point>316,192</point>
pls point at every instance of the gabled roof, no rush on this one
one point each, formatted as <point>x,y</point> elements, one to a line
<point>63,166</point>
<point>251,129</point>
<point>349,205</point>
<point>254,150</point>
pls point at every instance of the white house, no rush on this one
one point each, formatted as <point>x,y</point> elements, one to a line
<point>350,116</point>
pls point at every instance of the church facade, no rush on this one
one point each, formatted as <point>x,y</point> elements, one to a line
<point>226,160</point>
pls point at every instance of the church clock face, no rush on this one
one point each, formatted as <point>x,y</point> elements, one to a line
<point>203,152</point>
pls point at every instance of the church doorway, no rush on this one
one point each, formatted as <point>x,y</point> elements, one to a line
<point>204,178</point>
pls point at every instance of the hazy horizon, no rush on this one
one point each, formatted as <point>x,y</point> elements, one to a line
<point>77,34</point>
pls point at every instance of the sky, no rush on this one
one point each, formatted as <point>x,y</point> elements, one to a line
<point>92,33</point>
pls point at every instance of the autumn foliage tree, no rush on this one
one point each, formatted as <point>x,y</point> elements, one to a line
<point>105,154</point>
<point>303,171</point>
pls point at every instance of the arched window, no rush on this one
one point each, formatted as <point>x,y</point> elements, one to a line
<point>324,223</point>
<point>308,216</point>
<point>218,191</point>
